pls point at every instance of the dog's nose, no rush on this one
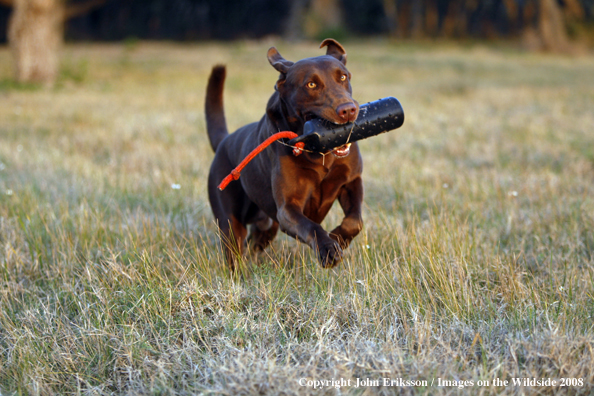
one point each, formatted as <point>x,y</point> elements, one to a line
<point>347,111</point>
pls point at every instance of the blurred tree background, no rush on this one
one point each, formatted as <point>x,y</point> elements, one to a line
<point>551,25</point>
<point>236,19</point>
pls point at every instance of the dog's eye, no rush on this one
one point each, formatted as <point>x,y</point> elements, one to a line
<point>311,85</point>
<point>343,77</point>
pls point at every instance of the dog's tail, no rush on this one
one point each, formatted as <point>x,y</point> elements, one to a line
<point>213,107</point>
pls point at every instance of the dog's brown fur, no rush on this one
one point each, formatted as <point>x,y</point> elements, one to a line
<point>278,188</point>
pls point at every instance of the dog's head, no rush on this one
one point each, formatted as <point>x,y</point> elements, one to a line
<point>318,87</point>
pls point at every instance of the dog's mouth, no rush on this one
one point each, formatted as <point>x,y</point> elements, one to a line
<point>342,151</point>
<point>339,152</point>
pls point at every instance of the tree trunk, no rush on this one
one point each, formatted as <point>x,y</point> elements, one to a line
<point>431,18</point>
<point>391,13</point>
<point>418,27</point>
<point>404,18</point>
<point>551,27</point>
<point>35,35</point>
<point>511,9</point>
<point>294,30</point>
<point>323,16</point>
<point>454,21</point>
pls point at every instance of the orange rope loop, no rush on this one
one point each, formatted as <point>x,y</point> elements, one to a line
<point>235,173</point>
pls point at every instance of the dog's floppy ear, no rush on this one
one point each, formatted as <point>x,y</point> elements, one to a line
<point>278,62</point>
<point>335,49</point>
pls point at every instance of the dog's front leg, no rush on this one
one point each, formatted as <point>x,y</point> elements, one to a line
<point>293,222</point>
<point>350,199</point>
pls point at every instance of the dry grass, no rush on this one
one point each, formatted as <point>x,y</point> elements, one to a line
<point>476,261</point>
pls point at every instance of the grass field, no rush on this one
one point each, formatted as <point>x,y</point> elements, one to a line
<point>476,262</point>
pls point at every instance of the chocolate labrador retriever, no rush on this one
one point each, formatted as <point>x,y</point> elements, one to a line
<point>278,188</point>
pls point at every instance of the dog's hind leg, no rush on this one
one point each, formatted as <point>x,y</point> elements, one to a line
<point>227,207</point>
<point>262,232</point>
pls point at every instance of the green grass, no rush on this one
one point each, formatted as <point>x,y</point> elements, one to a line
<point>475,263</point>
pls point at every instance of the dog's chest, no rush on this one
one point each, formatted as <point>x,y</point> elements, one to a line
<point>324,194</point>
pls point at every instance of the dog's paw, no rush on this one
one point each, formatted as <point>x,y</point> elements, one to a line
<point>330,254</point>
<point>337,235</point>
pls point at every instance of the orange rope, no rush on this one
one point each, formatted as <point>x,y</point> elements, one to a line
<point>235,173</point>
